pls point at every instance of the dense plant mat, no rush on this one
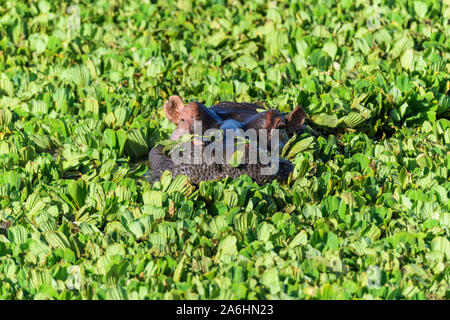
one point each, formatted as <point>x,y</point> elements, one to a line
<point>365,213</point>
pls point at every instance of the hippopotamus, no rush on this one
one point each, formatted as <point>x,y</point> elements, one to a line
<point>226,116</point>
<point>160,161</point>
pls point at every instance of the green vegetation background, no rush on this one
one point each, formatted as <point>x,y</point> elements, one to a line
<point>365,214</point>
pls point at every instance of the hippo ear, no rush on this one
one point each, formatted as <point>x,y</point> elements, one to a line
<point>295,120</point>
<point>173,107</point>
<point>274,120</point>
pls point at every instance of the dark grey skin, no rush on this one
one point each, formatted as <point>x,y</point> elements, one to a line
<point>159,162</point>
<point>248,114</point>
<point>224,115</point>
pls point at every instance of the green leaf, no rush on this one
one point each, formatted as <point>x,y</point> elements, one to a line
<point>78,192</point>
<point>236,158</point>
<point>330,48</point>
<point>227,249</point>
<point>179,270</point>
<point>217,38</point>
<point>271,280</point>
<point>407,59</point>
<point>17,235</point>
<point>264,231</point>
<point>325,120</point>
<point>110,138</point>
<point>300,239</point>
<point>420,8</point>
<point>6,86</point>
<point>57,239</point>
<point>402,177</point>
<point>441,245</point>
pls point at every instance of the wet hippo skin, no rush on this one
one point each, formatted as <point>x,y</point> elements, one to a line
<point>159,162</point>
<point>196,115</point>
<point>225,115</point>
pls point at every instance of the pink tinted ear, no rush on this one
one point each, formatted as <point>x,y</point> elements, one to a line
<point>274,120</point>
<point>173,107</point>
<point>295,120</point>
<point>196,109</point>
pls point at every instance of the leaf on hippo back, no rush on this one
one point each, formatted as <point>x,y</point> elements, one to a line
<point>236,158</point>
<point>325,120</point>
<point>170,146</point>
